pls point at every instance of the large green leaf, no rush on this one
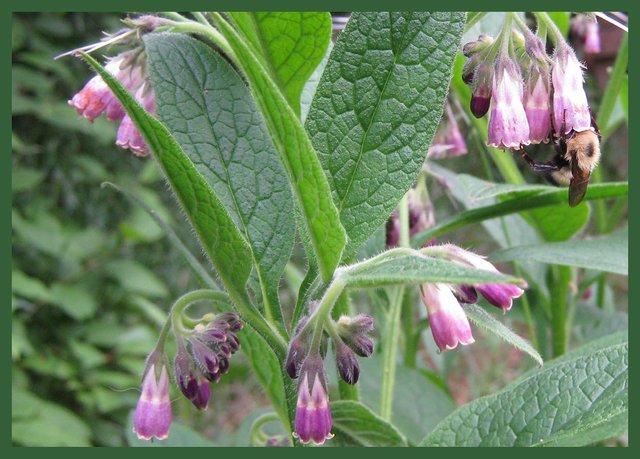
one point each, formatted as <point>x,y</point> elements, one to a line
<point>417,269</point>
<point>609,253</point>
<point>579,399</point>
<point>356,425</point>
<point>216,230</point>
<point>290,44</point>
<point>320,215</point>
<point>376,109</point>
<point>418,403</point>
<point>210,112</point>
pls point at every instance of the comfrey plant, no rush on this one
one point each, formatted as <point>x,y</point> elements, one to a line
<point>266,141</point>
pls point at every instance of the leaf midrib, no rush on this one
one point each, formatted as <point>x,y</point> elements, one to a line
<point>373,117</point>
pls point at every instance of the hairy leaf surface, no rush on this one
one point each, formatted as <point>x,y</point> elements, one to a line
<point>376,109</point>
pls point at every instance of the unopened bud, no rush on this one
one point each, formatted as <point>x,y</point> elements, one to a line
<point>347,363</point>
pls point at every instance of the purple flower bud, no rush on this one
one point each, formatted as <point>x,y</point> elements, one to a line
<point>295,356</point>
<point>128,136</point>
<point>233,342</point>
<point>202,396</point>
<point>500,295</point>
<point>206,359</point>
<point>470,67</point>
<point>448,322</point>
<point>570,105</point>
<point>361,345</point>
<point>537,108</point>
<point>393,230</point>
<point>313,413</point>
<point>347,363</point>
<point>482,90</point>
<point>508,125</point>
<point>353,331</point>
<point>224,365</point>
<point>298,347</point>
<point>231,319</point>
<point>465,293</point>
<point>152,417</point>
<point>185,376</point>
<point>474,47</point>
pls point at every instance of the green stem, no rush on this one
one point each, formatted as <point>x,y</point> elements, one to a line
<point>552,29</point>
<point>392,335</point>
<point>201,19</point>
<point>320,315</point>
<point>181,304</point>
<point>473,18</point>
<point>207,31</point>
<point>411,336</point>
<point>559,291</point>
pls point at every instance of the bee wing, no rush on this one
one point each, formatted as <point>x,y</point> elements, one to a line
<point>578,184</point>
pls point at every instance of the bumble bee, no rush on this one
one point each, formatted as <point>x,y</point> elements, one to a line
<point>578,155</point>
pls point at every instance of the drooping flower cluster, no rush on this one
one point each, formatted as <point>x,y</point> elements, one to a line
<point>129,67</point>
<point>202,357</point>
<point>305,362</point>
<point>515,77</point>
<point>447,319</point>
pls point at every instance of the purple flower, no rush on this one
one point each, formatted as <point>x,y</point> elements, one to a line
<point>448,141</point>
<point>454,137</point>
<point>152,417</point>
<point>591,38</point>
<point>586,29</point>
<point>500,295</point>
<point>421,213</point>
<point>537,107</point>
<point>448,322</point>
<point>96,97</point>
<point>508,126</point>
<point>128,136</point>
<point>570,105</point>
<point>313,413</point>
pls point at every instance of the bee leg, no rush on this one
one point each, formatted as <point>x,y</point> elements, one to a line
<point>542,168</point>
<point>594,125</point>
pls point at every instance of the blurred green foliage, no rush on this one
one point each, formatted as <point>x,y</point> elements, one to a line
<point>92,273</point>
